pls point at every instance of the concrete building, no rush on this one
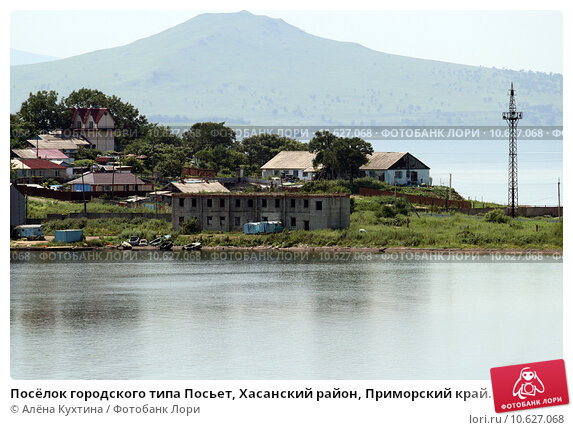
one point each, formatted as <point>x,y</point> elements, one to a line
<point>401,167</point>
<point>95,125</point>
<point>17,207</point>
<point>230,211</point>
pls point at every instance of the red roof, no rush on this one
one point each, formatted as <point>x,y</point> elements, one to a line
<point>84,114</point>
<point>51,154</point>
<point>40,164</point>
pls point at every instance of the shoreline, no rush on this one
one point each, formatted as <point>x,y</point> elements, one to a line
<point>332,249</point>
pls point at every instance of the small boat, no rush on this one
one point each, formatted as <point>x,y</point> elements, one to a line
<point>134,240</point>
<point>195,246</point>
<point>143,242</point>
<point>166,246</point>
<point>125,245</point>
<point>155,242</point>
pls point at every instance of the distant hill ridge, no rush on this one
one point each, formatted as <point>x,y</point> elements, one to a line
<point>247,69</point>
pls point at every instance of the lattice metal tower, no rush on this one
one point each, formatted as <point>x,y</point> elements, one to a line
<point>512,117</point>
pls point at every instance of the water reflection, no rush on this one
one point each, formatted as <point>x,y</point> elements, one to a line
<point>257,319</point>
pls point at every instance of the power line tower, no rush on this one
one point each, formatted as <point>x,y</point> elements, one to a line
<point>512,117</point>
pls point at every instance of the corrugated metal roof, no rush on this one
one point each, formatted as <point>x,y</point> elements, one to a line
<point>40,164</point>
<point>58,141</point>
<point>382,160</point>
<point>199,187</point>
<point>291,160</point>
<point>105,178</point>
<point>48,154</point>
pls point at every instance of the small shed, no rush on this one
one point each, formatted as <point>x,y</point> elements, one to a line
<point>68,236</point>
<point>30,231</point>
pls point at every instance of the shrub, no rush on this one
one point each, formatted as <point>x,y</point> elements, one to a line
<point>497,216</point>
<point>189,226</point>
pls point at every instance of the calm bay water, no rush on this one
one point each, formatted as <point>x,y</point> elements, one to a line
<point>243,315</point>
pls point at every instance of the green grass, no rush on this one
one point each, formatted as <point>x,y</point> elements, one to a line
<point>457,231</point>
<point>40,207</point>
<point>343,186</point>
<point>384,228</point>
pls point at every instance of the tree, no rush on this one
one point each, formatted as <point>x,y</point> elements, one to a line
<point>261,148</point>
<point>42,112</point>
<point>128,121</point>
<point>339,156</point>
<point>214,146</point>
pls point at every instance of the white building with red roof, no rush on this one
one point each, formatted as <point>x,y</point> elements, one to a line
<point>37,171</point>
<point>96,125</point>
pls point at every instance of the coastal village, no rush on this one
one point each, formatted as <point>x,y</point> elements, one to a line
<point>291,191</point>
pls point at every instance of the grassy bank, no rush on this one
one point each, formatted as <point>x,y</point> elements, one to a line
<point>386,224</point>
<point>40,207</point>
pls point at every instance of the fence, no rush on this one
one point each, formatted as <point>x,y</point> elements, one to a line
<point>421,200</point>
<point>73,195</point>
<point>96,215</point>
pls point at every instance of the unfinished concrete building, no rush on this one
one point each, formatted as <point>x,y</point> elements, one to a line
<point>228,212</point>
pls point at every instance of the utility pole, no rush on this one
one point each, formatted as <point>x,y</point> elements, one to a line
<point>559,197</point>
<point>450,190</point>
<point>512,117</point>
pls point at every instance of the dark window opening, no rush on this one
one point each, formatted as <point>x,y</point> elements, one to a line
<point>277,203</point>
<point>319,206</point>
<point>237,220</point>
<point>305,203</point>
<point>221,220</point>
<point>293,222</point>
<point>181,202</point>
<point>292,203</point>
<point>181,219</point>
<point>222,203</point>
<point>307,225</point>
<point>237,203</point>
<point>209,203</point>
<point>193,203</point>
<point>250,203</point>
<point>264,203</point>
<point>209,220</point>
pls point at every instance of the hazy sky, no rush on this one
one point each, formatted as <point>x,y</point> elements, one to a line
<point>504,39</point>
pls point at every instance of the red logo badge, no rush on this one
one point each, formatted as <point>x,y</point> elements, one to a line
<point>529,386</point>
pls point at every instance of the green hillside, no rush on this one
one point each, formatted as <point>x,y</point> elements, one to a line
<point>248,69</point>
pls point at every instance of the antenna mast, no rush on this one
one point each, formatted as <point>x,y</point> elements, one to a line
<point>512,117</point>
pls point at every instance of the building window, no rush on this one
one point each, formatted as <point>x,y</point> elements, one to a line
<point>209,203</point>
<point>304,174</point>
<point>265,218</point>
<point>237,220</point>
<point>222,203</point>
<point>277,203</point>
<point>57,173</point>
<point>91,124</point>
<point>264,203</point>
<point>319,206</point>
<point>398,174</point>
<point>193,203</point>
<point>305,201</point>
<point>276,172</point>
<point>181,202</point>
<point>221,220</point>
<point>237,203</point>
<point>306,225</point>
<point>250,203</point>
<point>292,203</point>
<point>181,219</point>
<point>293,222</point>
<point>126,188</point>
<point>209,220</point>
<point>78,124</point>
